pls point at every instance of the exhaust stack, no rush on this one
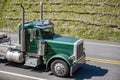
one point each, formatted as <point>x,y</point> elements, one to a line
<point>23,41</point>
<point>41,11</point>
<point>22,15</point>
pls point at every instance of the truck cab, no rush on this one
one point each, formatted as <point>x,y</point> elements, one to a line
<point>62,55</point>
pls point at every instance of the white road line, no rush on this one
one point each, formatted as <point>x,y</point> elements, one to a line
<point>21,75</point>
<point>102,44</point>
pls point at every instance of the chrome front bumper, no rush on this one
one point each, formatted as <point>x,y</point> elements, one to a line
<point>77,64</point>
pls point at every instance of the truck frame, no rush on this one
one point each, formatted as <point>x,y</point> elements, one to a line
<point>38,44</point>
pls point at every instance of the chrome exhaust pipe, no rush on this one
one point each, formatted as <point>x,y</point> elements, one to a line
<point>22,15</point>
<point>41,11</point>
<point>23,35</point>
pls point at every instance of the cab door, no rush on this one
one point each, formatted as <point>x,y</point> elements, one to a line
<point>33,41</point>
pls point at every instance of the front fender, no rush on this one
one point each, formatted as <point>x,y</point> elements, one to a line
<point>58,56</point>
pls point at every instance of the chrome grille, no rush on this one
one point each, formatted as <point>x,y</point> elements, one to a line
<point>79,50</point>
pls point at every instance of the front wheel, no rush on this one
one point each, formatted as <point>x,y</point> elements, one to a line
<point>60,68</point>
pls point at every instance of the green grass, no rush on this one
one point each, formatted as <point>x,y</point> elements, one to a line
<point>72,29</point>
<point>85,31</point>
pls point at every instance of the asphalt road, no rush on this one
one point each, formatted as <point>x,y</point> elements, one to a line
<point>103,64</point>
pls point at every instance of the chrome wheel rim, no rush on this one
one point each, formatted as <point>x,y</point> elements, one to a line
<point>59,69</point>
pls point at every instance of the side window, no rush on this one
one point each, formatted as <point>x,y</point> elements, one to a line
<point>45,32</point>
<point>32,33</point>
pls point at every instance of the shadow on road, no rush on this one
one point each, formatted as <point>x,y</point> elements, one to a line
<point>88,71</point>
<point>39,69</point>
<point>85,72</point>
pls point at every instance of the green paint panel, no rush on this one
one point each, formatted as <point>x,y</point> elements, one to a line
<point>59,45</point>
<point>65,40</point>
<point>33,46</point>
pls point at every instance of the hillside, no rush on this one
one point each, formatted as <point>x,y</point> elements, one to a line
<point>92,19</point>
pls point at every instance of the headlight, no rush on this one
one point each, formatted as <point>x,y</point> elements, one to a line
<point>71,58</point>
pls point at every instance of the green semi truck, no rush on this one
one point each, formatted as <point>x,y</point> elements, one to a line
<point>38,44</point>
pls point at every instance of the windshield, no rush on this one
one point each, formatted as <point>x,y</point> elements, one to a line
<point>47,33</point>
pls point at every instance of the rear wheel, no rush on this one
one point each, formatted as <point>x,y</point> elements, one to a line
<point>60,68</point>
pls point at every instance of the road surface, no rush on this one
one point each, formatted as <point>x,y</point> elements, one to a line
<point>103,63</point>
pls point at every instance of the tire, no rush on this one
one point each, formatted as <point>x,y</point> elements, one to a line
<point>60,68</point>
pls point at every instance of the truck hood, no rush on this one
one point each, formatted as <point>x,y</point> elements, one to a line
<point>62,45</point>
<point>63,40</point>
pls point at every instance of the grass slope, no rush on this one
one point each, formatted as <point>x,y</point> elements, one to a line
<point>68,28</point>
